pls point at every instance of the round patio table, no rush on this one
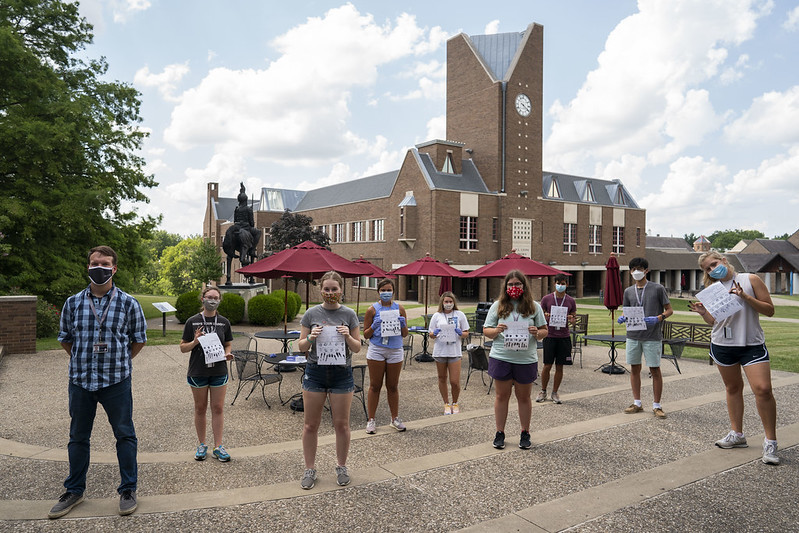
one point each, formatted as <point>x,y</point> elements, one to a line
<point>612,341</point>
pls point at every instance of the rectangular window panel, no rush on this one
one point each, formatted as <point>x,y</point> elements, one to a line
<point>570,238</point>
<point>618,239</point>
<point>377,230</point>
<point>595,239</point>
<point>468,233</point>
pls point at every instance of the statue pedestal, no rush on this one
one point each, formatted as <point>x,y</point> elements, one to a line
<point>246,291</point>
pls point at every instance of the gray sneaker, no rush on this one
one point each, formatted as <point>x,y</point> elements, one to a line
<point>127,502</point>
<point>541,396</point>
<point>770,453</point>
<point>342,476</point>
<point>308,479</point>
<point>397,424</point>
<point>731,440</point>
<point>556,398</point>
<point>65,503</point>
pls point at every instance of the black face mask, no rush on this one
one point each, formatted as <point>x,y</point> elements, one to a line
<point>100,275</point>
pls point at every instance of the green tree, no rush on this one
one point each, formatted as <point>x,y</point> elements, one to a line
<point>292,229</point>
<point>69,168</point>
<point>151,280</point>
<point>724,240</point>
<point>176,266</point>
<point>690,238</point>
<point>206,263</point>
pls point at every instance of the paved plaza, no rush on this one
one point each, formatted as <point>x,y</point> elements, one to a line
<point>591,467</point>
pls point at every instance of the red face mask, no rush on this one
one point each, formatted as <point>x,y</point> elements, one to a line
<point>514,292</point>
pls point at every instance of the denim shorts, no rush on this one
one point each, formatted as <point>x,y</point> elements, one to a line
<point>522,374</point>
<point>328,378</point>
<point>207,381</point>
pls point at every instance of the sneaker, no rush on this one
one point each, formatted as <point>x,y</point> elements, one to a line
<point>65,503</point>
<point>455,409</point>
<point>221,454</point>
<point>524,441</point>
<point>202,451</point>
<point>541,396</point>
<point>556,398</point>
<point>342,476</point>
<point>770,453</point>
<point>633,409</point>
<point>659,412</point>
<point>447,409</point>
<point>397,424</point>
<point>127,502</point>
<point>308,479</point>
<point>371,427</point>
<point>499,440</point>
<point>731,440</point>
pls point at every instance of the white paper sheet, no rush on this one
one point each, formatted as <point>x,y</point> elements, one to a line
<point>635,318</point>
<point>517,336</point>
<point>331,349</point>
<point>719,302</point>
<point>212,348</point>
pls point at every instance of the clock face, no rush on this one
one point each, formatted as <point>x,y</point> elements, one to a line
<point>523,105</point>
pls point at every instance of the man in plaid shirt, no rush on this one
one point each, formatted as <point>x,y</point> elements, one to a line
<point>102,330</point>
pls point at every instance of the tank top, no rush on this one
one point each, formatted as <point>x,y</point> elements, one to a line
<point>388,342</point>
<point>744,326</point>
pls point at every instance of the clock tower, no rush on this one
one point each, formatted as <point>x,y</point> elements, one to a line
<point>495,107</point>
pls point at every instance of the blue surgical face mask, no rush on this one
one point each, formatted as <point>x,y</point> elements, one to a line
<point>386,295</point>
<point>720,272</point>
<point>560,288</point>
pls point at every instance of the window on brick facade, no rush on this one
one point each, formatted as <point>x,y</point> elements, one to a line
<point>358,231</point>
<point>638,236</point>
<point>468,233</point>
<point>595,239</point>
<point>377,230</point>
<point>402,221</point>
<point>448,168</point>
<point>569,237</point>
<point>495,229</point>
<point>339,233</point>
<point>618,239</point>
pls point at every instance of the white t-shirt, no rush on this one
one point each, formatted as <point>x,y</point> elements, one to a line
<point>448,349</point>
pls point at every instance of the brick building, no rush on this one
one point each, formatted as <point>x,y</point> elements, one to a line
<point>475,197</point>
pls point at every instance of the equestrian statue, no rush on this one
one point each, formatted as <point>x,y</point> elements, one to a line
<point>241,239</point>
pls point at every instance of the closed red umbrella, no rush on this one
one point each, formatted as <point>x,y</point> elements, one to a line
<point>306,260</point>
<point>445,286</point>
<point>613,291</point>
<point>376,272</point>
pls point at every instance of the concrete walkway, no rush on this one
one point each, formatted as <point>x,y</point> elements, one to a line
<point>591,467</point>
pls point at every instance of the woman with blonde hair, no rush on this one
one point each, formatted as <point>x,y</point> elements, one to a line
<point>515,323</point>
<point>737,342</point>
<point>447,350</point>
<point>328,374</point>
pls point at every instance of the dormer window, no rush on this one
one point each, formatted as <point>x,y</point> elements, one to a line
<point>619,199</point>
<point>588,193</point>
<point>554,189</point>
<point>448,167</point>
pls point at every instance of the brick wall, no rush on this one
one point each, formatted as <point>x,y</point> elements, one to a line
<point>18,334</point>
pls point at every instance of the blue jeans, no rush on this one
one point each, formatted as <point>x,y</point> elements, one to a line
<point>117,400</point>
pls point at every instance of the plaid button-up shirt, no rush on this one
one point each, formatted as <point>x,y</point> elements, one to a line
<point>123,325</point>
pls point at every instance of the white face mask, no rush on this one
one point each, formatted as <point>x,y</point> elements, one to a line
<point>448,307</point>
<point>638,275</point>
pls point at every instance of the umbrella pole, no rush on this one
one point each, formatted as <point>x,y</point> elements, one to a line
<point>308,292</point>
<point>358,299</point>
<point>285,304</point>
<point>613,322</point>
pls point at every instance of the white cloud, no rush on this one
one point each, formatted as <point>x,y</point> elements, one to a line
<point>436,128</point>
<point>736,72</point>
<point>296,111</point>
<point>792,20</point>
<point>773,118</point>
<point>643,98</point>
<point>774,178</point>
<point>123,9</point>
<point>491,28</point>
<point>166,82</point>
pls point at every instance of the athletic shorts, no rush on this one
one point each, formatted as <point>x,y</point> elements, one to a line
<point>447,360</point>
<point>652,350</point>
<point>557,351</point>
<point>375,352</point>
<point>334,379</point>
<point>207,381</point>
<point>739,355</point>
<point>520,373</point>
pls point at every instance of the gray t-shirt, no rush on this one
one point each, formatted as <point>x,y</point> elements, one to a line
<point>319,316</point>
<point>653,298</point>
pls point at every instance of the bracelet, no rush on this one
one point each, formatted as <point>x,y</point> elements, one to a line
<point>309,339</point>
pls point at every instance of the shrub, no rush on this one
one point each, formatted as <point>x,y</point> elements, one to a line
<point>187,305</point>
<point>232,307</point>
<point>265,310</point>
<point>47,319</point>
<point>292,305</point>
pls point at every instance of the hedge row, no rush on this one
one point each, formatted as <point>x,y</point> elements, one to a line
<point>264,309</point>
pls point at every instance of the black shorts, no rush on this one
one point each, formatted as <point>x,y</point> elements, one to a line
<point>739,355</point>
<point>558,351</point>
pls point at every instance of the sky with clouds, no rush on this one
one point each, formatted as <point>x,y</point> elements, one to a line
<point>693,104</point>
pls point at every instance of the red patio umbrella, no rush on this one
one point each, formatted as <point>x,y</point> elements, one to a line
<point>376,272</point>
<point>427,266</point>
<point>613,292</point>
<point>445,286</point>
<point>513,261</point>
<point>306,260</point>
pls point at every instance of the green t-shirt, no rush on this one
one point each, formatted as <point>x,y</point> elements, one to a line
<point>498,350</point>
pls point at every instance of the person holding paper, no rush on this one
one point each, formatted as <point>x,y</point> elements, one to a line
<point>646,343</point>
<point>736,342</point>
<point>515,323</point>
<point>448,326</point>
<point>102,329</point>
<point>384,325</point>
<point>559,310</point>
<point>208,337</point>
<point>329,333</point>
